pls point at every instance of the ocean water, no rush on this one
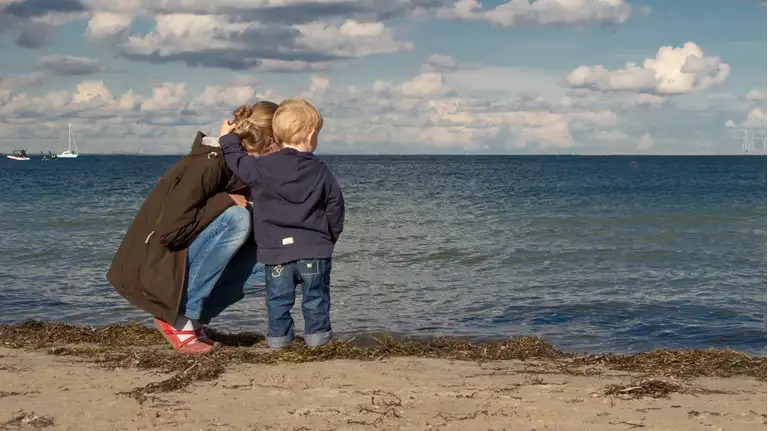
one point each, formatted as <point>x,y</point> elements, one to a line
<point>599,254</point>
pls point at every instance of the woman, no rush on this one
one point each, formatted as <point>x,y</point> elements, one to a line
<point>187,255</point>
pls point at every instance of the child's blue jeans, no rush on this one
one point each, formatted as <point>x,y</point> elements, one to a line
<point>314,276</point>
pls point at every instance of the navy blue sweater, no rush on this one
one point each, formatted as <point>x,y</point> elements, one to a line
<point>298,208</point>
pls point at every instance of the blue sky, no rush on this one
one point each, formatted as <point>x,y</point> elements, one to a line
<point>390,76</point>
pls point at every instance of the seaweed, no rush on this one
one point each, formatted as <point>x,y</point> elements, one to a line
<point>135,346</point>
<point>645,388</point>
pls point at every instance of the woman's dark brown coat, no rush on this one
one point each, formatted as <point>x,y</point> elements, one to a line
<point>150,267</point>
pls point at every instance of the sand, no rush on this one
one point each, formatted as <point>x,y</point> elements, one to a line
<point>39,390</point>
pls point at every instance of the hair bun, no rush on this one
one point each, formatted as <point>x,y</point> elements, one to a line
<point>242,113</point>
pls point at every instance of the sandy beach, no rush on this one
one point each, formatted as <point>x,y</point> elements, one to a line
<point>50,383</point>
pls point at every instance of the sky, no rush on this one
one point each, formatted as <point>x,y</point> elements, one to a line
<point>389,76</point>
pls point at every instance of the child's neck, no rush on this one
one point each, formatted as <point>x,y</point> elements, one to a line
<point>302,147</point>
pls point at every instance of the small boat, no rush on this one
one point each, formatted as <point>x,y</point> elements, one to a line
<point>19,155</point>
<point>70,153</point>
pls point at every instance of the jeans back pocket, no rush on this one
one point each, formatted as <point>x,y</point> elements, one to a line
<point>309,267</point>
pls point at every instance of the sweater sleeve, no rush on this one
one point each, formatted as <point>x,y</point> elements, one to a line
<point>334,206</point>
<point>245,166</point>
<point>194,204</point>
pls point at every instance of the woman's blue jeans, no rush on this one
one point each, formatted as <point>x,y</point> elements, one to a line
<point>221,266</point>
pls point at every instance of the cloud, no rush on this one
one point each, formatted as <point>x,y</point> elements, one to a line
<point>425,85</point>
<point>292,66</point>
<point>446,109</point>
<point>107,25</point>
<point>319,85</point>
<point>526,13</point>
<point>37,8</point>
<point>620,141</point>
<point>168,96</point>
<point>350,39</point>
<point>756,119</point>
<point>280,35</point>
<point>89,91</point>
<point>218,41</point>
<point>755,95</point>
<point>650,99</point>
<point>64,65</point>
<point>441,63</point>
<point>292,35</point>
<point>673,71</point>
<point>221,96</point>
<point>21,81</point>
<point>646,142</point>
<point>611,136</point>
<point>34,35</point>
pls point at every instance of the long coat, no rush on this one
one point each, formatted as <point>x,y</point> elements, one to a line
<point>150,267</point>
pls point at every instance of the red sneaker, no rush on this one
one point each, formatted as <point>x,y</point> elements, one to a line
<point>190,346</point>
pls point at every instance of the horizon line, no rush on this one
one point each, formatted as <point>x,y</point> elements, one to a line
<point>459,155</point>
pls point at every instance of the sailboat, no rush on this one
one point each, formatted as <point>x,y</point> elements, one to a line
<point>70,154</point>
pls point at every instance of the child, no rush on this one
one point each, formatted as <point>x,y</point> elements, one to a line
<point>297,218</point>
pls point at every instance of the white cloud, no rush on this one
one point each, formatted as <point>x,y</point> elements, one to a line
<point>216,95</point>
<point>128,101</point>
<point>354,28</point>
<point>166,97</point>
<point>185,33</point>
<point>350,39</point>
<point>105,25</point>
<point>756,95</point>
<point>611,136</point>
<point>21,81</point>
<point>429,112</point>
<point>425,85</point>
<point>526,13</point>
<point>319,85</point>
<point>273,65</point>
<point>673,71</point>
<point>649,99</point>
<point>88,91</point>
<point>619,141</point>
<point>646,142</point>
<point>755,119</point>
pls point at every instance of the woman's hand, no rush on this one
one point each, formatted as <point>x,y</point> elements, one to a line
<point>240,200</point>
<point>226,127</point>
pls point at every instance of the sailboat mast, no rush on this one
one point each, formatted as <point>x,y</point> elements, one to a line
<point>69,137</point>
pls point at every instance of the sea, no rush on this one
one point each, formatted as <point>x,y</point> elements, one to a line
<point>594,254</point>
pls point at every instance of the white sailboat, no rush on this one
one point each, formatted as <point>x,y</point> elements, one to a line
<point>70,153</point>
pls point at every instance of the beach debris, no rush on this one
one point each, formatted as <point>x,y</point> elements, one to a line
<point>644,388</point>
<point>629,425</point>
<point>682,363</point>
<point>31,419</point>
<point>135,346</point>
<point>200,370</point>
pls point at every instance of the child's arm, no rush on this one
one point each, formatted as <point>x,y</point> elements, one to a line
<point>245,166</point>
<point>334,205</point>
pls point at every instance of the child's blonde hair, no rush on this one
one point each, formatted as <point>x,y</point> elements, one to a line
<point>254,126</point>
<point>294,120</point>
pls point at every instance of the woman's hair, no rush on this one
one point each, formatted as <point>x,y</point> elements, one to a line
<point>254,126</point>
